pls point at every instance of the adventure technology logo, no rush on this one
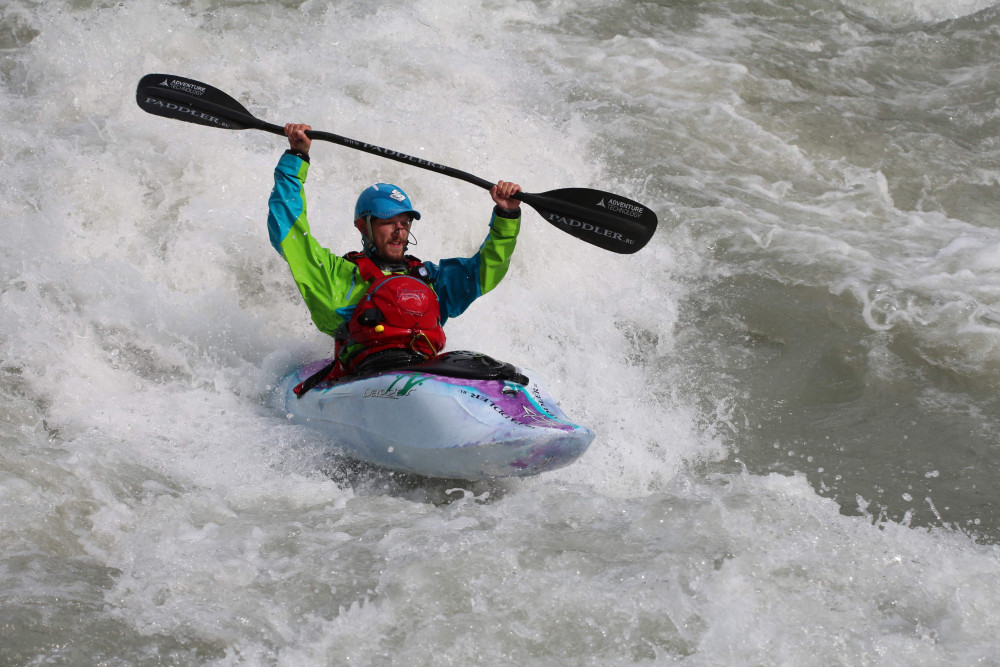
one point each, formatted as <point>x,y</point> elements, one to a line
<point>623,207</point>
<point>190,88</point>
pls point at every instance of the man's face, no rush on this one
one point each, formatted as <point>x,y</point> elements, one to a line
<point>389,235</point>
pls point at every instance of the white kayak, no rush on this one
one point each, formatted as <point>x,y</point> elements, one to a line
<point>462,415</point>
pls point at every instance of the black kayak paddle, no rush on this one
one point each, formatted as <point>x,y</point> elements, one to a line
<point>602,219</point>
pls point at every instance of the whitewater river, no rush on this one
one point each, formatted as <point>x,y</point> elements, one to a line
<point>794,385</point>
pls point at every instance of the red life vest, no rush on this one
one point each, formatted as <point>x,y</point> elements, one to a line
<point>399,311</point>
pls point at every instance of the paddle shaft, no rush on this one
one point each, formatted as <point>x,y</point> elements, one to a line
<point>256,123</point>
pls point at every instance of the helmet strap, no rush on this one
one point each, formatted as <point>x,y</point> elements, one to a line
<point>368,224</point>
<point>369,240</point>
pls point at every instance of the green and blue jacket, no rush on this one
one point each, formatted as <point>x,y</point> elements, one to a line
<point>331,285</point>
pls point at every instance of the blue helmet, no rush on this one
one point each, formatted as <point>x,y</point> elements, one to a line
<point>383,201</point>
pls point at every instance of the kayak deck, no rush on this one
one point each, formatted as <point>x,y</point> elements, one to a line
<point>424,423</point>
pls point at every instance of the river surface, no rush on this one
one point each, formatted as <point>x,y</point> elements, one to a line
<point>794,384</point>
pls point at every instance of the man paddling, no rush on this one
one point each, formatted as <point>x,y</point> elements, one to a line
<point>381,306</point>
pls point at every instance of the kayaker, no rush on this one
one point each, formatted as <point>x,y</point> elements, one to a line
<point>412,306</point>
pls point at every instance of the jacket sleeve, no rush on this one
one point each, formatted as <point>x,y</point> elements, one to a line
<point>326,282</point>
<point>460,281</point>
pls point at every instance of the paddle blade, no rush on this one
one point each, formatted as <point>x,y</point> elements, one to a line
<point>191,101</point>
<point>602,219</point>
